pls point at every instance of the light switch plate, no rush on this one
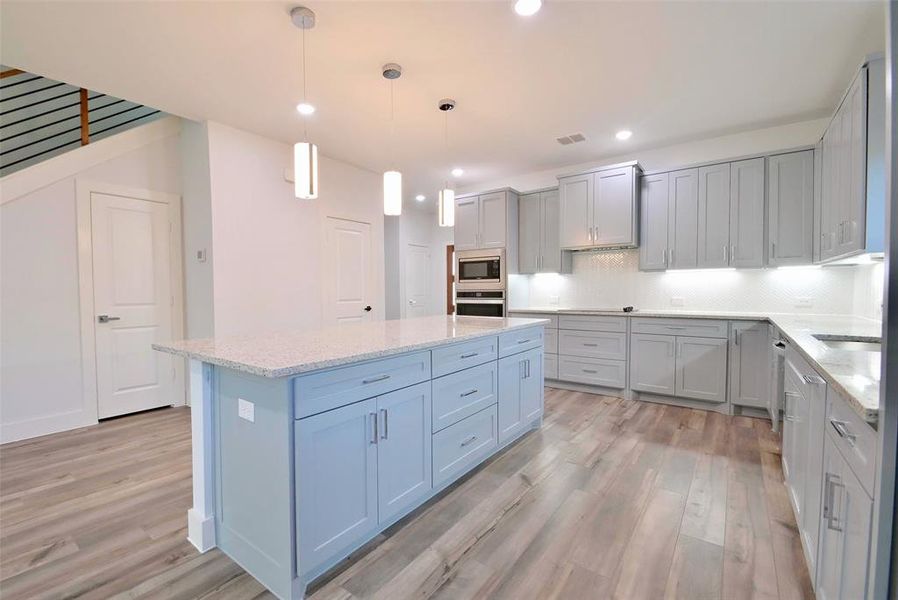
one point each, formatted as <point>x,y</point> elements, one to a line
<point>246,410</point>
<point>677,301</point>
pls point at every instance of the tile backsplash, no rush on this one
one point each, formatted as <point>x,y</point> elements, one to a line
<point>612,280</point>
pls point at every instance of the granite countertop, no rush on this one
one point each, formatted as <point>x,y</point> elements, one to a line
<point>853,373</point>
<point>292,353</point>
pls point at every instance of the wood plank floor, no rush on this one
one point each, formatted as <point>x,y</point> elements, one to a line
<point>611,499</point>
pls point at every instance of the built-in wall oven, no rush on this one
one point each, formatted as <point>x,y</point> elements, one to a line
<point>482,303</point>
<point>479,270</point>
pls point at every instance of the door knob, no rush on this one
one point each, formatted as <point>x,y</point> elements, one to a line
<point>367,309</point>
<point>412,302</point>
<point>107,318</point>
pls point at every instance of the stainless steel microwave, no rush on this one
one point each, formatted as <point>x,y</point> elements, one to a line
<point>480,269</point>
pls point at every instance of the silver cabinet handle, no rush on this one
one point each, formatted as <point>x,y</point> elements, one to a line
<point>524,341</point>
<point>726,254</point>
<point>107,318</point>
<point>469,355</point>
<point>373,439</point>
<point>386,432</point>
<point>736,337</point>
<point>813,379</point>
<point>589,371</point>
<point>590,345</point>
<point>832,481</point>
<point>664,257</point>
<point>733,253</point>
<point>375,379</point>
<point>787,416</point>
<point>670,255</point>
<point>528,368</point>
<point>468,393</point>
<point>773,249</point>
<point>841,428</point>
<point>468,441</point>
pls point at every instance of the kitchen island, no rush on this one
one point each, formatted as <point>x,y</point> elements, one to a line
<point>307,445</point>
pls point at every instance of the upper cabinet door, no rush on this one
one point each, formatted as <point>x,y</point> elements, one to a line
<point>551,257</point>
<point>683,219</point>
<point>653,214</point>
<point>492,220</point>
<point>747,213</point>
<point>576,211</point>
<point>467,226</point>
<point>614,208</point>
<point>854,200</point>
<point>529,233</point>
<point>790,195</point>
<point>714,216</point>
<point>830,180</point>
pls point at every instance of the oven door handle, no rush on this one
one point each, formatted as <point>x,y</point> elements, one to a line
<point>479,301</point>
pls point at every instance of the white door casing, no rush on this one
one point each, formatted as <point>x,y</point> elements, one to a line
<point>348,271</point>
<point>417,280</point>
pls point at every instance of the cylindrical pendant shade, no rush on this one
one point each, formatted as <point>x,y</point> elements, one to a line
<point>446,208</point>
<point>305,170</point>
<point>392,193</point>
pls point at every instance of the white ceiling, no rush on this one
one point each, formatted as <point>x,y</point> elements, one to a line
<point>670,71</point>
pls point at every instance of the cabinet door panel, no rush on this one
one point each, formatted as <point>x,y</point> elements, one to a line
<point>403,450</point>
<point>613,208</point>
<point>529,233</point>
<point>747,213</point>
<point>336,478</point>
<point>511,377</point>
<point>551,257</point>
<point>855,510</point>
<point>683,219</point>
<point>795,442</point>
<point>750,365</point>
<point>714,216</point>
<point>790,194</point>
<point>830,563</point>
<point>576,211</point>
<point>701,368</point>
<point>467,223</point>
<point>653,242</point>
<point>854,201</point>
<point>532,386</point>
<point>492,220</point>
<point>652,363</point>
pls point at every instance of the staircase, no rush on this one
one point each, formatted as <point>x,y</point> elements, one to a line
<point>41,118</point>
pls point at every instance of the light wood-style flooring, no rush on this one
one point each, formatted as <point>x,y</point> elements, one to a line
<point>611,499</point>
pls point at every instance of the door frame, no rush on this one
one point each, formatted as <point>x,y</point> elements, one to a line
<point>427,278</point>
<point>450,278</point>
<point>83,190</point>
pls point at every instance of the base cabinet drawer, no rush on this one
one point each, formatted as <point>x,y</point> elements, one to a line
<point>593,371</point>
<point>687,327</point>
<point>552,318</point>
<point>593,323</point>
<point>550,366</point>
<point>449,359</point>
<point>462,394</point>
<point>593,344</point>
<point>854,438</point>
<point>460,447</point>
<point>520,340</point>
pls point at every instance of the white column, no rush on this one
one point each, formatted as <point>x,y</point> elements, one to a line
<point>201,518</point>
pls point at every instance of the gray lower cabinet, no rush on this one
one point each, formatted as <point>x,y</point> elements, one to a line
<point>682,366</point>
<point>653,363</point>
<point>749,376</point>
<point>593,371</point>
<point>790,208</point>
<point>520,393</point>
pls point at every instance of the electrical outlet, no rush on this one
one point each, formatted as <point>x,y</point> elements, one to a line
<point>677,301</point>
<point>553,300</point>
<point>803,302</point>
<point>246,410</point>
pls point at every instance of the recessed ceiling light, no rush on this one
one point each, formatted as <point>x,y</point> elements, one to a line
<point>527,8</point>
<point>420,197</point>
<point>305,108</point>
<point>623,134</point>
<point>456,172</point>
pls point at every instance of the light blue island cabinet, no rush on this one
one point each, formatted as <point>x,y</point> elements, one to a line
<point>307,445</point>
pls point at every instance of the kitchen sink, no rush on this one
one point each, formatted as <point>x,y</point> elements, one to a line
<point>840,342</point>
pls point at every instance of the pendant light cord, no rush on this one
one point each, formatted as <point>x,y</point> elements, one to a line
<point>305,119</point>
<point>392,127</point>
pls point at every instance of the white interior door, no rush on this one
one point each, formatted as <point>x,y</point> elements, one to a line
<point>130,241</point>
<point>417,279</point>
<point>348,259</point>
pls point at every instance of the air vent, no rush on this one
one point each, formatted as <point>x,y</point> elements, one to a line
<point>571,139</point>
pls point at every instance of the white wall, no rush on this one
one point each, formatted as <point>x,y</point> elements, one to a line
<point>40,337</point>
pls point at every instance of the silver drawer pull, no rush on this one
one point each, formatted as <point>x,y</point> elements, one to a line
<point>469,355</point>
<point>812,379</point>
<point>589,371</point>
<point>841,428</point>
<point>375,379</point>
<point>831,482</point>
<point>468,393</point>
<point>524,341</point>
<point>468,441</point>
<point>675,326</point>
<point>590,345</point>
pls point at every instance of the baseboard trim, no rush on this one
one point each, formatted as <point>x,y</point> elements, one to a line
<point>40,426</point>
<point>200,530</point>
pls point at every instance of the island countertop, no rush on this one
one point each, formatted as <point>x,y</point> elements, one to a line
<point>284,354</point>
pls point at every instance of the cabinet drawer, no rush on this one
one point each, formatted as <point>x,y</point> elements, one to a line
<point>854,438</point>
<point>593,344</point>
<point>460,447</point>
<point>553,319</point>
<point>688,327</point>
<point>462,394</point>
<point>551,341</point>
<point>593,371</point>
<point>550,366</point>
<point>519,340</point>
<point>593,323</point>
<point>326,390</point>
<point>449,359</point>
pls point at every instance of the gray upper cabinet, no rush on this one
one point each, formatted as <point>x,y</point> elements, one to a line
<point>653,218</point>
<point>682,216</point>
<point>714,216</point>
<point>538,224</point>
<point>599,209</point>
<point>467,218</point>
<point>747,213</point>
<point>493,215</point>
<point>488,220</point>
<point>790,196</point>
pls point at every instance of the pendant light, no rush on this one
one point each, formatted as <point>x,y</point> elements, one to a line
<point>446,203</point>
<point>305,153</point>
<point>392,178</point>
